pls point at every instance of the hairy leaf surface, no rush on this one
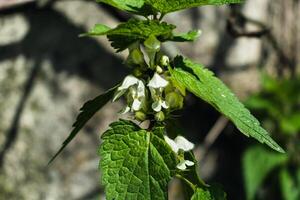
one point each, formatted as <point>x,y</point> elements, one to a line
<point>139,30</point>
<point>87,111</point>
<point>98,29</point>
<point>133,6</point>
<point>132,31</point>
<point>136,164</point>
<point>202,82</point>
<point>211,193</point>
<point>258,162</point>
<point>147,7</point>
<point>167,6</point>
<point>187,37</point>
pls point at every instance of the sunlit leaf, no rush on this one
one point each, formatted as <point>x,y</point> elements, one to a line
<point>185,37</point>
<point>135,164</point>
<point>133,31</point>
<point>148,7</point>
<point>211,193</point>
<point>167,6</point>
<point>133,6</point>
<point>202,82</point>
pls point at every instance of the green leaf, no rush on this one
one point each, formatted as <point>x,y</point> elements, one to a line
<point>202,82</point>
<point>289,188</point>
<point>211,193</point>
<point>88,110</point>
<point>148,7</point>
<point>201,194</point>
<point>98,29</point>
<point>133,31</point>
<point>167,6</point>
<point>133,6</point>
<point>258,162</point>
<point>186,37</point>
<point>135,163</point>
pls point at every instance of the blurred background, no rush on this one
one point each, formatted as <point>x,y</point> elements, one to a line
<point>47,73</point>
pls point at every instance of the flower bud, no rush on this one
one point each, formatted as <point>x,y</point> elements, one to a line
<point>140,116</point>
<point>164,61</point>
<point>137,57</point>
<point>159,70</point>
<point>160,116</point>
<point>137,72</point>
<point>152,44</point>
<point>174,100</point>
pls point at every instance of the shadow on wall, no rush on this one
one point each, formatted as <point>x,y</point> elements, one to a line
<point>54,38</point>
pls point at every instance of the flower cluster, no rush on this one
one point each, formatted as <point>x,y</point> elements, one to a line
<point>136,94</point>
<point>151,91</point>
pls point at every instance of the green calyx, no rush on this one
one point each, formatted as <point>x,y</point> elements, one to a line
<point>152,44</point>
<point>137,57</point>
<point>140,116</point>
<point>160,116</point>
<point>174,100</point>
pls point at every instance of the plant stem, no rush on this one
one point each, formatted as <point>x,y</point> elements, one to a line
<point>189,183</point>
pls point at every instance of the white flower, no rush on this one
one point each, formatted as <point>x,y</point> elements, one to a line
<point>172,144</point>
<point>138,96</point>
<point>179,143</point>
<point>183,143</point>
<point>157,82</point>
<point>157,105</point>
<point>136,105</point>
<point>156,85</point>
<point>127,83</point>
<point>184,164</point>
<point>136,90</point>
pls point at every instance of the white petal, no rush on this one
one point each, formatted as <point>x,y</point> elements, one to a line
<point>136,105</point>
<point>164,105</point>
<point>141,89</point>
<point>189,163</point>
<point>181,165</point>
<point>128,81</point>
<point>183,143</point>
<point>125,110</point>
<point>157,82</point>
<point>172,144</point>
<point>156,106</point>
